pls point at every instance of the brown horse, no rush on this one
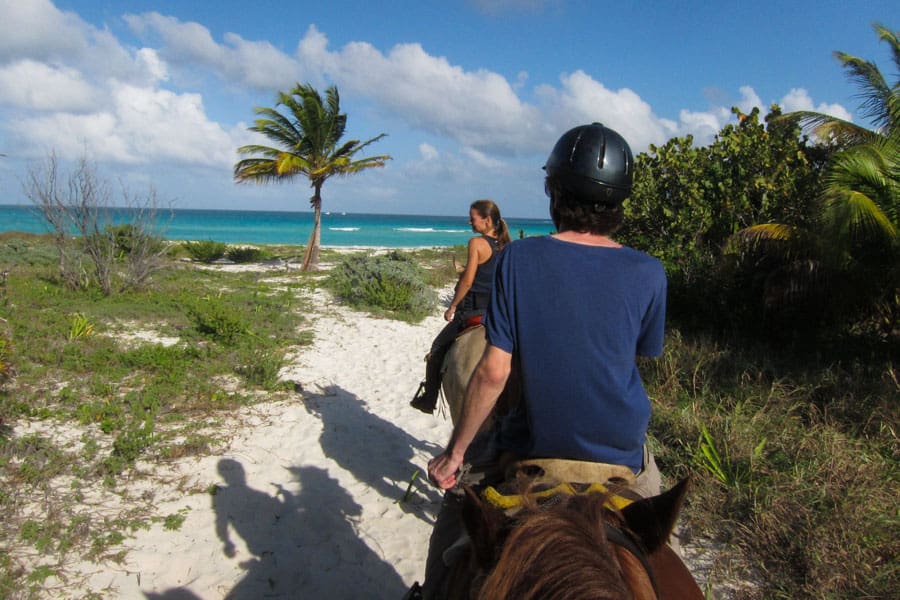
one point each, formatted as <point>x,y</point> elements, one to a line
<point>460,363</point>
<point>573,546</point>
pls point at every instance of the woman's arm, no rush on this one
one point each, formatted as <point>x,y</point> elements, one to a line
<point>477,247</point>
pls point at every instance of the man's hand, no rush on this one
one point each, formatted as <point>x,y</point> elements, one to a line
<point>442,470</point>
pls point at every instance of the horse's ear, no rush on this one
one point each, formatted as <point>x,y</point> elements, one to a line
<point>653,519</point>
<point>481,525</point>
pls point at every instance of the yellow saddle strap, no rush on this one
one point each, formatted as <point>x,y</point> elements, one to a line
<point>513,501</point>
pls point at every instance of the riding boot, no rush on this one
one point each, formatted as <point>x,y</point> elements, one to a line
<point>427,394</point>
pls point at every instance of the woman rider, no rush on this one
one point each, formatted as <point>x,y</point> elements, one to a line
<point>473,290</point>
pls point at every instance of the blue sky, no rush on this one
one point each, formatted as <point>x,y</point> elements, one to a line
<point>472,94</point>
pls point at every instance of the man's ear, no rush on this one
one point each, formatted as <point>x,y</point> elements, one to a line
<point>653,519</point>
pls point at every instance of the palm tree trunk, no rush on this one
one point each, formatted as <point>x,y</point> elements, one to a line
<point>311,256</point>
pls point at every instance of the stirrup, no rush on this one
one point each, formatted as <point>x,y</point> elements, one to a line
<point>420,402</point>
<point>414,593</point>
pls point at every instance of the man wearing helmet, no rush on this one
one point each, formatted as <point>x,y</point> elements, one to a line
<point>575,309</point>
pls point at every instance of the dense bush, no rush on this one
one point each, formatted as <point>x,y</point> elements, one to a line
<point>393,283</point>
<point>246,254</point>
<point>213,319</point>
<point>206,251</point>
<point>689,202</point>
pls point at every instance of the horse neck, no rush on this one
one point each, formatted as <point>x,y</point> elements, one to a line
<point>635,575</point>
<point>679,584</point>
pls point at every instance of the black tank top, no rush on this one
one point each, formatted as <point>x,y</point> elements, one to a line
<point>480,291</point>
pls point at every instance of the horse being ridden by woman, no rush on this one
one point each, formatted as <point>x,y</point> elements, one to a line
<point>473,290</point>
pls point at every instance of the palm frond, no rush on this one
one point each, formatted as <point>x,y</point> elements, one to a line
<point>775,239</point>
<point>874,91</point>
<point>827,127</point>
<point>855,216</point>
<point>893,40</point>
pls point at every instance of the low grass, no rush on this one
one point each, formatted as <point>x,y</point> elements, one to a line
<point>794,458</point>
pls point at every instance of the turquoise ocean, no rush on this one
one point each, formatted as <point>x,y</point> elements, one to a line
<point>276,227</point>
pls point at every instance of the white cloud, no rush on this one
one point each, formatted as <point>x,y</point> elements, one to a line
<point>798,99</point>
<point>38,86</point>
<point>428,152</point>
<point>140,126</point>
<point>69,136</point>
<point>702,125</point>
<point>482,161</point>
<point>581,99</point>
<point>162,125</point>
<point>238,61</point>
<point>149,61</point>
<point>477,108</point>
<point>750,100</point>
<point>36,28</point>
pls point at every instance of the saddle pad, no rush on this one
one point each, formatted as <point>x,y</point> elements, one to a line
<point>551,471</point>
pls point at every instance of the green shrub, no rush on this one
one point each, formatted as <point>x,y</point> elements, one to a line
<point>130,238</point>
<point>6,366</point>
<point>206,251</point>
<point>128,446</point>
<point>262,368</point>
<point>213,319</point>
<point>246,254</point>
<point>392,283</point>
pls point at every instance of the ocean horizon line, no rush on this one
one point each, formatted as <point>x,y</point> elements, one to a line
<point>464,217</point>
<point>338,229</point>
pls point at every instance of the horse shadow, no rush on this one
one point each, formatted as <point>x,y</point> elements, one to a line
<point>377,452</point>
<point>301,545</point>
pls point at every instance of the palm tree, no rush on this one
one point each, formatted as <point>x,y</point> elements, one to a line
<point>308,140</point>
<point>858,239</point>
<point>878,100</point>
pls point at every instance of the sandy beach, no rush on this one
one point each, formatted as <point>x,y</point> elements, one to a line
<point>307,497</point>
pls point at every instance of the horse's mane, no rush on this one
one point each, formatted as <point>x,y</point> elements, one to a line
<point>568,542</point>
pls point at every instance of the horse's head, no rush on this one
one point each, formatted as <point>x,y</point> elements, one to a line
<point>577,546</point>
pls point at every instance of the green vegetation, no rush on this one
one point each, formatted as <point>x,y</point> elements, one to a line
<point>205,251</point>
<point>246,254</point>
<point>793,458</point>
<point>393,283</point>
<point>773,234</point>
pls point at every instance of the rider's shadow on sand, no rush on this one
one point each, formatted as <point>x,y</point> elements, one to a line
<point>300,546</point>
<point>377,452</point>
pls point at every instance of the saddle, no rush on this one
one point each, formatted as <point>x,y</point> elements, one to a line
<point>542,479</point>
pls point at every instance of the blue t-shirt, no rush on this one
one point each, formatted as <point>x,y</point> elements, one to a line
<point>575,317</point>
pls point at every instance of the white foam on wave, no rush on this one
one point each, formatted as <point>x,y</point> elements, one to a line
<point>429,230</point>
<point>343,229</point>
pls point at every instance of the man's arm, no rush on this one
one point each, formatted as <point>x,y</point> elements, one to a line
<point>484,388</point>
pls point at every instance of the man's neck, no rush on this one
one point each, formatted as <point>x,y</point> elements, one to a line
<point>587,239</point>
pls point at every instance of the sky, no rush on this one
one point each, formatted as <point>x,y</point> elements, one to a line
<point>472,94</point>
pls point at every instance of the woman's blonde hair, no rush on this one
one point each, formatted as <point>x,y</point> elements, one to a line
<point>488,208</point>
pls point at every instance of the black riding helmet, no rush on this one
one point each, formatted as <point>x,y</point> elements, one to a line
<point>594,163</point>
